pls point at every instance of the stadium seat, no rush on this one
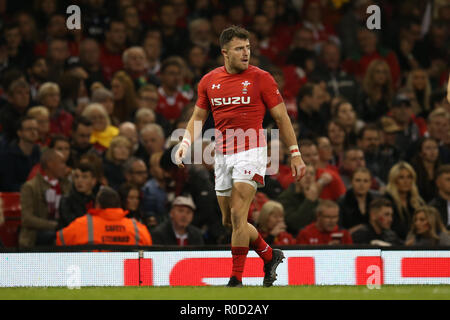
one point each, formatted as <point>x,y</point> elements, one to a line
<point>12,212</point>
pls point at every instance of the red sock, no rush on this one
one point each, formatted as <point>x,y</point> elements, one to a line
<point>239,256</point>
<point>262,248</point>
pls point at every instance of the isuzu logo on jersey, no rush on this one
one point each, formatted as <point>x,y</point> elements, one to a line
<point>230,101</point>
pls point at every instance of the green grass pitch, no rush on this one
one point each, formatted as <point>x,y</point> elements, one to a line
<point>386,292</point>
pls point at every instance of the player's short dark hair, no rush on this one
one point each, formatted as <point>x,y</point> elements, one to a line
<point>233,32</point>
<point>107,197</point>
<point>379,203</point>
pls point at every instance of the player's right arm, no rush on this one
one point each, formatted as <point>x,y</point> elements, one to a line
<point>198,116</point>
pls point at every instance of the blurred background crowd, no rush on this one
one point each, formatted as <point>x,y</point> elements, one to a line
<point>82,109</point>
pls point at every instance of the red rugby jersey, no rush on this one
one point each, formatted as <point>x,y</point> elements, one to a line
<point>238,102</point>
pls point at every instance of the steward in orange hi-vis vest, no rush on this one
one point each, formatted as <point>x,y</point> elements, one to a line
<point>104,226</point>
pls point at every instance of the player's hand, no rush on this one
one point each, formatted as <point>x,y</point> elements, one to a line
<point>298,167</point>
<point>181,154</point>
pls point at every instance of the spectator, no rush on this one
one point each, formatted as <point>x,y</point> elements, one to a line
<point>330,183</point>
<point>174,39</point>
<point>346,116</point>
<point>57,54</point>
<point>19,156</point>
<point>154,195</point>
<point>353,158</point>
<point>133,25</point>
<point>354,205</point>
<point>106,224</point>
<point>125,100</point>
<point>325,229</point>
<point>135,65</point>
<point>300,200</point>
<point>106,98</point>
<point>152,48</point>
<point>442,199</point>
<point>58,143</point>
<point>60,120</point>
<point>271,224</point>
<point>136,172</point>
<point>378,229</point>
<point>116,156</point>
<point>194,181</point>
<point>37,74</point>
<point>42,116</point>
<point>377,92</point>
<point>309,114</point>
<point>419,84</point>
<point>339,82</point>
<point>112,49</point>
<point>130,196</point>
<point>325,153</point>
<point>427,229</point>
<point>404,118</point>
<point>402,191</point>
<point>102,130</point>
<point>95,18</point>
<point>80,142</point>
<point>81,197</point>
<point>40,201</point>
<point>377,162</point>
<point>18,95</point>
<point>426,163</point>
<point>171,99</point>
<point>179,230</point>
<point>152,140</point>
<point>90,61</point>
<point>129,131</point>
<point>368,51</point>
<point>338,139</point>
<point>17,52</point>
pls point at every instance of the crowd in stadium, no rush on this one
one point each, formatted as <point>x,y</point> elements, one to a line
<point>82,109</point>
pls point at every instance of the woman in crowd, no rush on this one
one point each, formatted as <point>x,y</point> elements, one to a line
<point>402,191</point>
<point>346,116</point>
<point>130,197</point>
<point>378,91</point>
<point>113,164</point>
<point>425,163</point>
<point>427,229</point>
<point>125,98</point>
<point>338,139</point>
<point>103,131</point>
<point>272,226</point>
<point>419,83</point>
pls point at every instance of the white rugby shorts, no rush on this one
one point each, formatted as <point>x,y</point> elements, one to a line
<point>249,165</point>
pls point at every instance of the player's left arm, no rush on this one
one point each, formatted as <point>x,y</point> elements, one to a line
<point>281,117</point>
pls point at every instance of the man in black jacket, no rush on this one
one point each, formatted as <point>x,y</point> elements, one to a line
<point>82,196</point>
<point>178,230</point>
<point>378,230</point>
<point>442,200</point>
